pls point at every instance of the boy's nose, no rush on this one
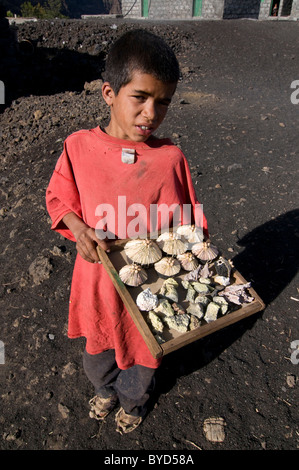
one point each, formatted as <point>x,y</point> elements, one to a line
<point>150,111</point>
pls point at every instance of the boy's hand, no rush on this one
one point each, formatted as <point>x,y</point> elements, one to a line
<point>86,239</point>
<point>87,242</point>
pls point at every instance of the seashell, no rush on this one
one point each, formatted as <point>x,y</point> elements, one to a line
<point>168,266</point>
<point>132,275</point>
<point>188,261</point>
<point>178,322</point>
<point>192,233</point>
<point>146,300</point>
<point>193,275</point>
<point>223,281</point>
<point>223,267</point>
<point>205,272</point>
<point>168,289</point>
<point>196,309</point>
<point>164,307</point>
<point>144,252</point>
<point>237,294</point>
<point>172,244</point>
<point>205,251</point>
<point>194,322</point>
<point>211,312</point>
<point>155,322</point>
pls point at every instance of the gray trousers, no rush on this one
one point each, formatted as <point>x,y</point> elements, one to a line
<point>132,386</point>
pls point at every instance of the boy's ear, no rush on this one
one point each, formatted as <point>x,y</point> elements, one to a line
<point>108,93</point>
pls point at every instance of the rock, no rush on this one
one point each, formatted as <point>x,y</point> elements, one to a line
<point>40,269</point>
<point>63,410</point>
<point>214,429</point>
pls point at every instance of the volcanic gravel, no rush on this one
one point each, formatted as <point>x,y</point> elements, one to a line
<point>233,117</point>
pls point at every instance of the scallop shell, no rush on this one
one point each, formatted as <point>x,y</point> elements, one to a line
<point>192,233</point>
<point>168,267</point>
<point>205,251</point>
<point>172,244</point>
<point>144,251</point>
<point>146,300</point>
<point>132,275</point>
<point>188,261</point>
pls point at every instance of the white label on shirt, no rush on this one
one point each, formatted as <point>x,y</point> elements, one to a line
<point>128,156</point>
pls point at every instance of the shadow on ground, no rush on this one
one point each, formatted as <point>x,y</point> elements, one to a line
<point>270,261</point>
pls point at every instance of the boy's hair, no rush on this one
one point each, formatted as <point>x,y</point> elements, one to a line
<point>143,51</point>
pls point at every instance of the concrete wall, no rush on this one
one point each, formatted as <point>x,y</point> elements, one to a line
<point>210,9</point>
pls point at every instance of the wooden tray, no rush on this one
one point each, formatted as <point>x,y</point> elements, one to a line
<point>174,340</point>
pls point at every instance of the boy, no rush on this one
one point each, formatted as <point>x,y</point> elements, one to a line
<point>141,77</point>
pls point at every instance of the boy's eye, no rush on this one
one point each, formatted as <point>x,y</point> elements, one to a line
<point>139,97</point>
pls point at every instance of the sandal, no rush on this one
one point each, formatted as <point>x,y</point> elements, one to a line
<point>101,407</point>
<point>125,422</point>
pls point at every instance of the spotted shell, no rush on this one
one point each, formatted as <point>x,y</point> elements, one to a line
<point>132,275</point>
<point>168,266</point>
<point>205,251</point>
<point>172,244</point>
<point>188,261</point>
<point>144,251</point>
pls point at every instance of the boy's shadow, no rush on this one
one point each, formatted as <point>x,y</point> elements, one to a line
<point>270,261</point>
<point>33,70</point>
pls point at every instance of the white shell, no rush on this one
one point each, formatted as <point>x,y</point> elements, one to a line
<point>132,275</point>
<point>223,281</point>
<point>172,244</point>
<point>192,233</point>
<point>168,267</point>
<point>143,251</point>
<point>146,300</point>
<point>205,251</point>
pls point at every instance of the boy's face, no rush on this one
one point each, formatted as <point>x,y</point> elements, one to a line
<point>139,108</point>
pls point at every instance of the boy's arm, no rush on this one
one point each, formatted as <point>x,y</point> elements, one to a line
<point>86,239</point>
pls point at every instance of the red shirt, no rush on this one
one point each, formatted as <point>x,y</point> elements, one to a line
<point>88,174</point>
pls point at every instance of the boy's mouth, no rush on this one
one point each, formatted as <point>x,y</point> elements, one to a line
<point>145,130</point>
